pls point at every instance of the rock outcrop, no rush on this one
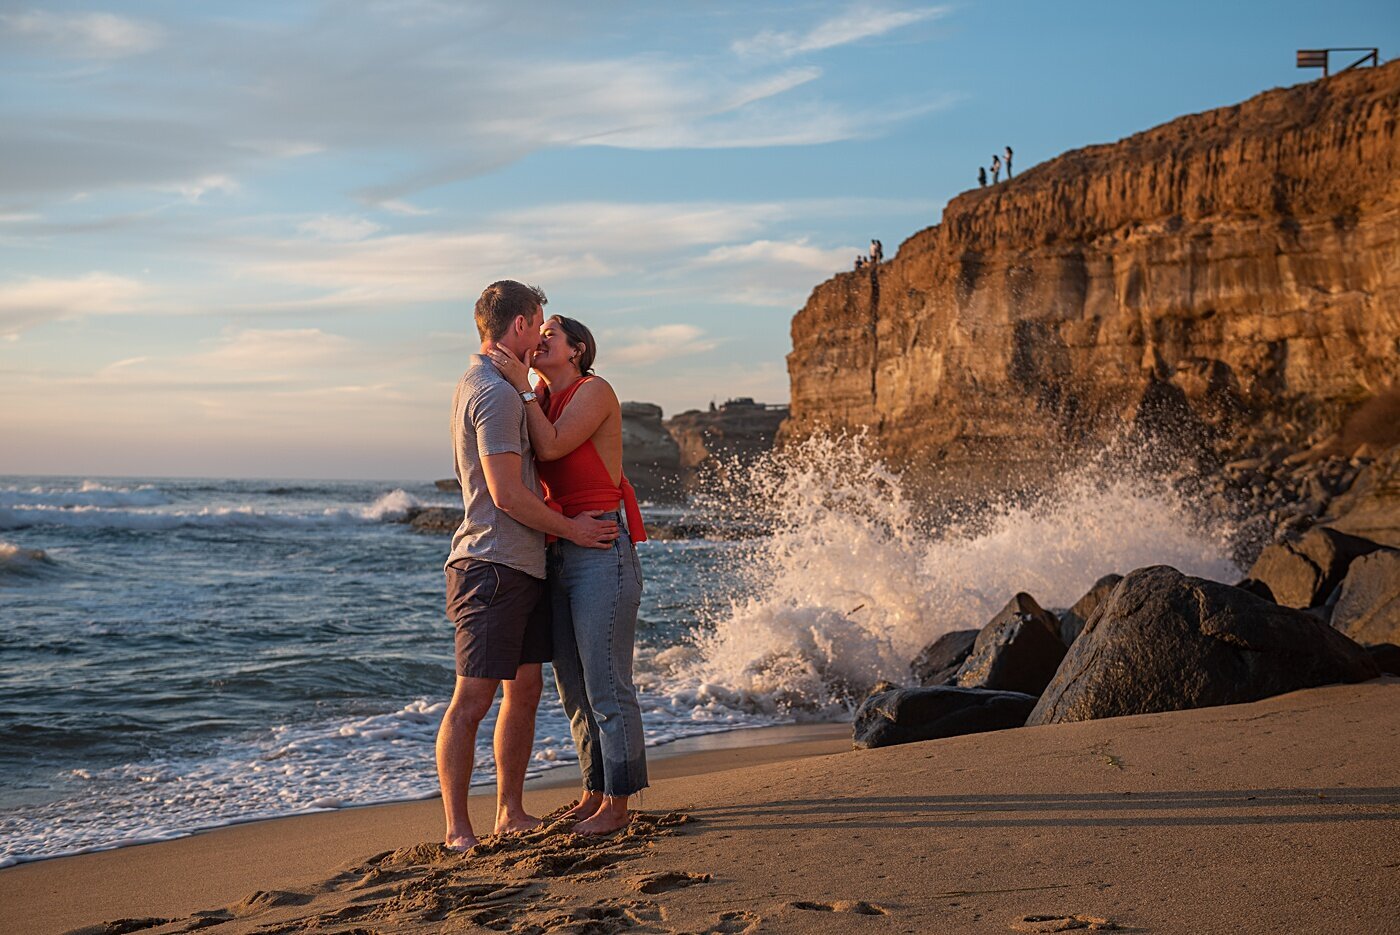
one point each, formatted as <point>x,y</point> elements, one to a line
<point>939,662</point>
<point>1304,573</point>
<point>1368,608</point>
<point>1163,641</point>
<point>1072,621</point>
<point>1019,650</point>
<point>650,457</point>
<point>1240,265</point>
<point>733,433</point>
<point>908,715</point>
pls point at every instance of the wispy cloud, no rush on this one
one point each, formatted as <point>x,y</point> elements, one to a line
<point>649,345</point>
<point>27,302</point>
<point>860,22</point>
<point>89,35</point>
<point>338,227</point>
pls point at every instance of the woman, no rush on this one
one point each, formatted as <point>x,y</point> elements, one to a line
<point>575,424</point>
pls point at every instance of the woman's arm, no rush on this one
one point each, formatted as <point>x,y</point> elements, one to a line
<point>588,410</point>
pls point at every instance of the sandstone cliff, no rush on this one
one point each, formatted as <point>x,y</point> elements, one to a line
<point>1241,266</point>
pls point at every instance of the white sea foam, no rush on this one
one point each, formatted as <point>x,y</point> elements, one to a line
<point>88,494</point>
<point>851,585</point>
<point>391,507</point>
<point>295,770</point>
<point>16,561</point>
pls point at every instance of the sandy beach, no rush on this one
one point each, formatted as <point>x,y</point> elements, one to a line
<point>1282,815</point>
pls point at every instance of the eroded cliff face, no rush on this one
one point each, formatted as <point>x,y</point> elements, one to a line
<point>1240,265</point>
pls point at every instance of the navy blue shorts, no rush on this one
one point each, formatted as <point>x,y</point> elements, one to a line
<point>501,616</point>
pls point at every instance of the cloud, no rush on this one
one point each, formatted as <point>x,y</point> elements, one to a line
<point>648,345</point>
<point>790,252</point>
<point>87,35</point>
<point>287,357</point>
<point>859,22</point>
<point>338,227</point>
<point>195,189</point>
<point>29,302</point>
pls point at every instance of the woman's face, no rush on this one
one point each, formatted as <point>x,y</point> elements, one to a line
<point>554,347</point>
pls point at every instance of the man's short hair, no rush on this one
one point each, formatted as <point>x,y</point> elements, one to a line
<point>501,302</point>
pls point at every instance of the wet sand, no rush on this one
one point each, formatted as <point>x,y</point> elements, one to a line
<point>1283,815</point>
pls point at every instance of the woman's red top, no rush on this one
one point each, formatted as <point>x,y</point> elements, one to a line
<point>580,481</point>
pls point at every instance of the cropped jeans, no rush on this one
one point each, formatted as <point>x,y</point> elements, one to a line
<point>595,594</point>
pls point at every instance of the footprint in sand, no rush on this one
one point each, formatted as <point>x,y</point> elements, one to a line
<point>858,906</point>
<point>1048,923</point>
<point>738,922</point>
<point>668,880</point>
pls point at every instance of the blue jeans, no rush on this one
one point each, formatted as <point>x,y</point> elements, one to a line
<point>595,594</point>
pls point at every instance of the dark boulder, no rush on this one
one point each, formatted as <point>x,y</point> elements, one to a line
<point>1386,656</point>
<point>1368,606</point>
<point>436,519</point>
<point>1018,651</point>
<point>1257,588</point>
<point>908,715</point>
<point>940,660</point>
<point>1167,642</point>
<point>1302,573</point>
<point>1072,621</point>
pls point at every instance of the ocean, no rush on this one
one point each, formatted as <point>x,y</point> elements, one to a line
<point>181,654</point>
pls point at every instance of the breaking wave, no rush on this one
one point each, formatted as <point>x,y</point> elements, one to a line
<point>391,507</point>
<point>853,581</point>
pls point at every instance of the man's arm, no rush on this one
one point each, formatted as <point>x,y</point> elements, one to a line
<point>524,506</point>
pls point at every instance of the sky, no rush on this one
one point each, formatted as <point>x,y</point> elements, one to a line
<point>243,239</point>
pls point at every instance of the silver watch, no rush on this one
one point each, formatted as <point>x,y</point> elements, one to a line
<point>528,396</point>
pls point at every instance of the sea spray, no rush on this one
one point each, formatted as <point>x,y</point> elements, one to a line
<point>852,580</point>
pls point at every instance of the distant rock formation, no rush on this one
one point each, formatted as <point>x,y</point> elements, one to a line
<point>737,431</point>
<point>1238,268</point>
<point>650,457</point>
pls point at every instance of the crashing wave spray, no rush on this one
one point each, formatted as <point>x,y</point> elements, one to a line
<point>852,582</point>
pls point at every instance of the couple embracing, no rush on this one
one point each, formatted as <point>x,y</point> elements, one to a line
<point>538,578</point>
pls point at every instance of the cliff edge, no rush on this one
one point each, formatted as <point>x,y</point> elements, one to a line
<point>1239,267</point>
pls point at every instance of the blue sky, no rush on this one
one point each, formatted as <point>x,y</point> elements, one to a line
<point>243,239</point>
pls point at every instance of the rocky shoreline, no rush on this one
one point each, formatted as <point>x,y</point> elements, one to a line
<point>1317,607</point>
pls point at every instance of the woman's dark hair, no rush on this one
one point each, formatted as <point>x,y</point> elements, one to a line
<point>577,333</point>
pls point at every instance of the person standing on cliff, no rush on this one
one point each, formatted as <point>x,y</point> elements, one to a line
<point>496,569</point>
<point>877,252</point>
<point>996,168</point>
<point>981,176</point>
<point>1008,163</point>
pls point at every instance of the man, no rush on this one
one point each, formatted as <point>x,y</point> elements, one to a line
<point>495,572</point>
<point>1008,163</point>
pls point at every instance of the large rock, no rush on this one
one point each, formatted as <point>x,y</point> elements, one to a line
<point>938,663</point>
<point>1018,651</point>
<point>1072,621</point>
<point>1245,256</point>
<point>1303,573</point>
<point>1371,508</point>
<point>1368,609</point>
<point>908,715</point>
<point>651,459</point>
<point>1166,642</point>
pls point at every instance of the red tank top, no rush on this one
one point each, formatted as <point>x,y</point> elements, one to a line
<point>580,480</point>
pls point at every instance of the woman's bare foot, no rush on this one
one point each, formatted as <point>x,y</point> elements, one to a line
<point>516,823</point>
<point>588,804</point>
<point>461,843</point>
<point>609,817</point>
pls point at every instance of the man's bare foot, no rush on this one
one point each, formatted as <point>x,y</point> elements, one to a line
<point>516,824</point>
<point>609,817</point>
<point>587,805</point>
<point>461,843</point>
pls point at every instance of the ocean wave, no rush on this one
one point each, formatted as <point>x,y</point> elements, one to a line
<point>391,507</point>
<point>88,494</point>
<point>18,562</point>
<point>297,769</point>
<point>852,582</point>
